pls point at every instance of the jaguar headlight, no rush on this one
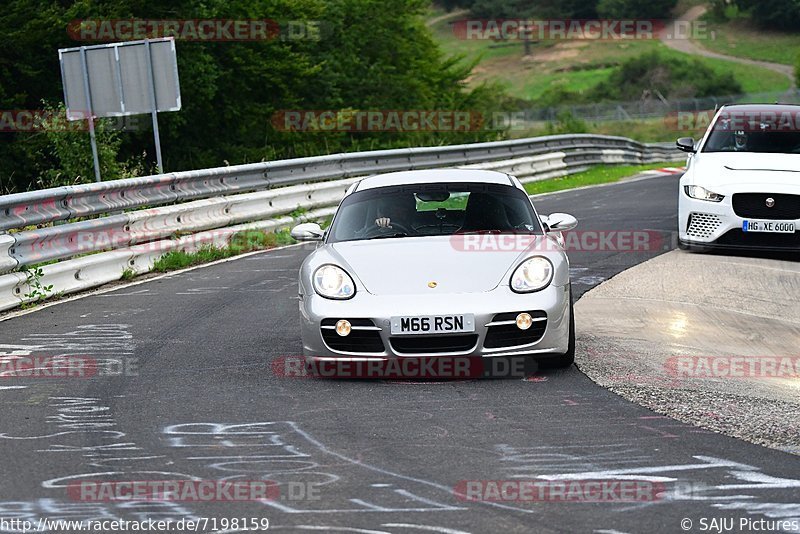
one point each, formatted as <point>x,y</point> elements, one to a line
<point>701,193</point>
<point>532,274</point>
<point>333,282</point>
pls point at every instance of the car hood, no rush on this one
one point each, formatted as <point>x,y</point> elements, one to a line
<point>407,265</point>
<point>727,168</point>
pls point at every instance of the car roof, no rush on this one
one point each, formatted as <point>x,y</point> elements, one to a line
<point>434,176</point>
<point>761,108</point>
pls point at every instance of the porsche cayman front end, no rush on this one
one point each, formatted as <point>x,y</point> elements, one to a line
<point>466,269</point>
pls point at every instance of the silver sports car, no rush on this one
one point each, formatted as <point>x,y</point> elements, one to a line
<point>437,263</point>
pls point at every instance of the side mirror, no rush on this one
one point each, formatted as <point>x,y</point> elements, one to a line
<point>560,222</point>
<point>685,144</point>
<point>545,222</point>
<point>307,232</point>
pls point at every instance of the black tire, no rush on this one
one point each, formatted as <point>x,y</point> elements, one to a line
<point>699,249</point>
<point>568,358</point>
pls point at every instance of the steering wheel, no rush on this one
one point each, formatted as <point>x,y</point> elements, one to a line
<point>441,226</point>
<point>393,227</point>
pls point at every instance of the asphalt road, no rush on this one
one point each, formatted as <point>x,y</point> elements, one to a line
<point>203,402</point>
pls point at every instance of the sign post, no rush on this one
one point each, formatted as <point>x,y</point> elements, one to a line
<point>121,79</point>
<point>90,117</point>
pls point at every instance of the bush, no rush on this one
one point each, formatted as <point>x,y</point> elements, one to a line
<point>66,159</point>
<point>558,94</point>
<point>566,123</point>
<point>648,76</point>
<point>671,76</point>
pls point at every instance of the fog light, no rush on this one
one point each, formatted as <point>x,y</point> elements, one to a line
<point>524,321</point>
<point>343,327</point>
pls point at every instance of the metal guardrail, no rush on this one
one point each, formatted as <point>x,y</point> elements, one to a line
<point>143,226</point>
<point>135,239</point>
<point>70,202</point>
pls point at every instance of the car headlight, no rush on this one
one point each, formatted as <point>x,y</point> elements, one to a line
<point>532,274</point>
<point>701,193</point>
<point>333,282</point>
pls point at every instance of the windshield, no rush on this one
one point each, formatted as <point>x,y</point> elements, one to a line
<point>433,209</point>
<point>731,135</point>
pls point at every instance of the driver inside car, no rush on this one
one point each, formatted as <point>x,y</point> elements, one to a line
<point>740,141</point>
<point>398,209</point>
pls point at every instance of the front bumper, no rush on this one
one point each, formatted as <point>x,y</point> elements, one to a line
<point>715,225</point>
<point>553,301</point>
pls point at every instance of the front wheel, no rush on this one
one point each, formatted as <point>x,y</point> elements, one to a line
<point>568,358</point>
<point>700,249</point>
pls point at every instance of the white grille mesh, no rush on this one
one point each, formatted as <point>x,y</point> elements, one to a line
<point>702,225</point>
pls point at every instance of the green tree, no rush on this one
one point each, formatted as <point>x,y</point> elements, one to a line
<point>565,9</point>
<point>632,9</point>
<point>371,54</point>
<point>773,14</point>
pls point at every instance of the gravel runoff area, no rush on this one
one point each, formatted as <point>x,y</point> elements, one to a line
<point>708,339</point>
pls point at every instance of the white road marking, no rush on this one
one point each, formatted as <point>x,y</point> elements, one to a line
<point>425,527</point>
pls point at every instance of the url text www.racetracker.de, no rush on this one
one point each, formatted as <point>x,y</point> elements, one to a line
<point>195,524</point>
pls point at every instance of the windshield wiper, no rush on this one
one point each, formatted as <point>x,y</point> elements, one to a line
<point>397,234</point>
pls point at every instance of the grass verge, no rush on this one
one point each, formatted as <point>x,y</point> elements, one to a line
<point>739,38</point>
<point>241,242</point>
<point>600,174</point>
<point>580,65</point>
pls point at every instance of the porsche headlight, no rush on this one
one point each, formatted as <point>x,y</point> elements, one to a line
<point>701,193</point>
<point>533,274</point>
<point>333,282</point>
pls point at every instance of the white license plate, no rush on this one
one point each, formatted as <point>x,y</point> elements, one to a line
<point>433,324</point>
<point>774,227</point>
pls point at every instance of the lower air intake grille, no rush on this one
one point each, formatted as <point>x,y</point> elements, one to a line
<point>366,341</point>
<point>508,335</point>
<point>433,344</point>
<point>702,225</point>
